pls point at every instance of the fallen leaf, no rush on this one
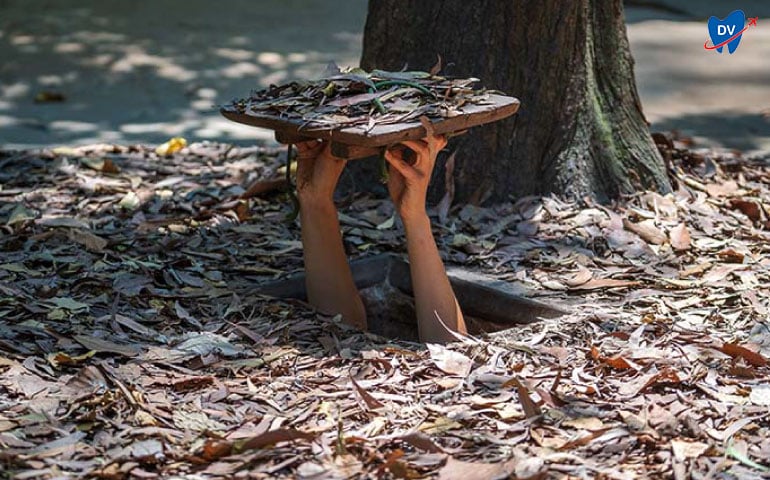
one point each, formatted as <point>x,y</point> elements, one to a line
<point>585,423</point>
<point>684,449</point>
<point>531,409</point>
<point>597,283</point>
<point>731,255</point>
<point>737,351</point>
<point>419,440</point>
<point>738,450</point>
<point>104,165</point>
<point>582,276</point>
<point>371,402</point>
<point>20,214</point>
<point>724,189</point>
<point>584,439</point>
<point>760,394</point>
<point>449,361</point>
<point>130,201</point>
<point>459,470</point>
<point>92,242</point>
<point>647,230</point>
<point>61,358</point>
<point>172,146</point>
<point>748,208</point>
<point>102,345</point>
<point>680,238</point>
<point>67,222</point>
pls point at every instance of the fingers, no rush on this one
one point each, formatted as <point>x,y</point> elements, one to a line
<point>309,149</point>
<point>437,142</point>
<point>420,147</point>
<point>396,160</point>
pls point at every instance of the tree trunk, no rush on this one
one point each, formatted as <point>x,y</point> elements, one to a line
<point>580,131</point>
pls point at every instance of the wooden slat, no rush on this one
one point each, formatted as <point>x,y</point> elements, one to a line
<point>499,107</point>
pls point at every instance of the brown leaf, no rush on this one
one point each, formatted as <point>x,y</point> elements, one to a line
<point>737,351</point>
<point>459,470</point>
<point>647,230</point>
<point>617,362</point>
<point>531,409</point>
<point>724,189</point>
<point>680,238</point>
<point>419,440</point>
<point>264,187</point>
<point>88,379</point>
<point>684,449</point>
<point>370,401</point>
<point>214,449</point>
<point>55,447</point>
<point>731,256</point>
<point>192,383</point>
<point>582,276</point>
<point>666,375</point>
<point>748,208</point>
<point>275,436</point>
<point>435,69</point>
<point>598,283</point>
<point>92,242</point>
<point>397,468</point>
<point>102,345</point>
<point>584,439</point>
<point>695,269</point>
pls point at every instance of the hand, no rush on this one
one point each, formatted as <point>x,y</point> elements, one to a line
<point>408,183</point>
<point>317,171</point>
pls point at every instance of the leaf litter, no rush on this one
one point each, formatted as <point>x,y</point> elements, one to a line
<point>132,344</point>
<point>353,97</point>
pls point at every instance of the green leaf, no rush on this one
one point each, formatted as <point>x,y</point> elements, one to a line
<point>21,214</point>
<point>68,304</point>
<point>401,75</point>
<point>19,268</point>
<point>739,455</point>
<point>387,224</point>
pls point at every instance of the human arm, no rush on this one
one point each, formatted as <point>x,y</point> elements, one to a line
<point>408,186</point>
<point>328,279</point>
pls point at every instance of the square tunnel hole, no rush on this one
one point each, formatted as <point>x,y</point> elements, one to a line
<point>384,281</point>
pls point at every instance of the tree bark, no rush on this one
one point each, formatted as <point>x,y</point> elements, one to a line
<point>580,131</point>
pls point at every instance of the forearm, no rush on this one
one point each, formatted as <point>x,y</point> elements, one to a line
<point>432,291</point>
<point>329,282</point>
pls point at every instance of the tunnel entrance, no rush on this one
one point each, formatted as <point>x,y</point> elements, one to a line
<point>489,305</point>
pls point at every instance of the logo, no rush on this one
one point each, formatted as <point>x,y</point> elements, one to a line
<point>728,31</point>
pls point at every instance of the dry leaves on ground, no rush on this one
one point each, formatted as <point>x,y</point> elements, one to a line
<point>132,344</point>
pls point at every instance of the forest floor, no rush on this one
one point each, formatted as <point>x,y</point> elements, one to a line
<point>132,344</point>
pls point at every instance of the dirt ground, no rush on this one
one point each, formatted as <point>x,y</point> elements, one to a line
<point>145,71</point>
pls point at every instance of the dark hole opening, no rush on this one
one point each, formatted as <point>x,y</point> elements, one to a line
<point>384,281</point>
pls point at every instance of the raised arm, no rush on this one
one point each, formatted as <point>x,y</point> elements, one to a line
<point>329,282</point>
<point>433,295</point>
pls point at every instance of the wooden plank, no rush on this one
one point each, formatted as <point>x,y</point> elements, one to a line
<point>341,150</point>
<point>499,107</point>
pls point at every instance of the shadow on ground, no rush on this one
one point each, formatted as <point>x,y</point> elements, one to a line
<point>143,72</point>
